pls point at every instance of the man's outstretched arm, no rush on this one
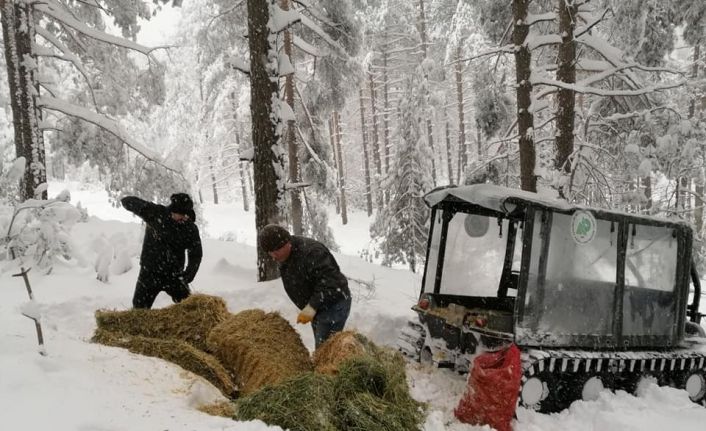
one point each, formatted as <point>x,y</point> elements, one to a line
<point>140,207</point>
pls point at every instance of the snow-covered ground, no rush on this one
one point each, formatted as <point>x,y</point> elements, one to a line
<point>80,386</point>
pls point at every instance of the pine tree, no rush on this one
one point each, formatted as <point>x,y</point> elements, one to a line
<point>401,227</point>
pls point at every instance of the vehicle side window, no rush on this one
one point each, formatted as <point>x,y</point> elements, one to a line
<point>570,279</point>
<point>650,279</point>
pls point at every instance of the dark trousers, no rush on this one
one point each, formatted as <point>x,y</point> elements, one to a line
<point>330,320</point>
<point>150,283</point>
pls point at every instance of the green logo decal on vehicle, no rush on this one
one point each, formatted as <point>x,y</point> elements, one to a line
<point>583,227</point>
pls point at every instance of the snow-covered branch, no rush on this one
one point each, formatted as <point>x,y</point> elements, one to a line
<point>506,49</point>
<point>225,12</point>
<point>604,92</point>
<point>322,34</point>
<point>68,56</point>
<point>533,19</point>
<point>305,46</point>
<point>283,19</point>
<point>238,64</point>
<point>105,123</point>
<point>48,8</point>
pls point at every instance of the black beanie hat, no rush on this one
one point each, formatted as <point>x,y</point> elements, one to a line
<point>181,203</point>
<point>273,237</point>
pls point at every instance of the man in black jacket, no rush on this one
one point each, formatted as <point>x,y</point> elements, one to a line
<point>169,233</point>
<point>311,278</point>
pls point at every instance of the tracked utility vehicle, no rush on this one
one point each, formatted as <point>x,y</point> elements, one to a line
<point>594,298</point>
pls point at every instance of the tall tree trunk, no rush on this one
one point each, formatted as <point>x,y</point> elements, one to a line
<point>266,141</point>
<point>332,141</point>
<point>376,141</point>
<point>647,181</point>
<point>386,113</point>
<point>295,192</point>
<point>430,131</point>
<point>366,160</point>
<point>462,152</point>
<point>566,99</point>
<point>18,30</point>
<point>448,152</point>
<point>213,180</point>
<point>694,75</point>
<point>525,120</point>
<point>341,171</point>
<point>699,180</point>
<point>242,167</point>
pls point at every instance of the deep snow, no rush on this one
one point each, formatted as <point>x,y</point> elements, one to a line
<point>83,386</point>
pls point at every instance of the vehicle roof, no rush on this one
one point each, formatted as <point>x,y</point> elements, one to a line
<point>504,200</point>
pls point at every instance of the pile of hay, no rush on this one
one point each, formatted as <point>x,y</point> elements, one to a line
<point>190,320</point>
<point>259,348</point>
<point>337,349</point>
<point>369,393</point>
<point>302,403</point>
<point>175,351</point>
<point>372,394</point>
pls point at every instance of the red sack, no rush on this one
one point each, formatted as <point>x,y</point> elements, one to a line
<point>493,388</point>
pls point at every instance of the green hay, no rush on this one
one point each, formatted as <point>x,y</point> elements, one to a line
<point>300,404</point>
<point>372,394</point>
<point>369,393</point>
<point>175,351</point>
<point>366,412</point>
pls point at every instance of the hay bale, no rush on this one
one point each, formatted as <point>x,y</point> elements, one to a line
<point>337,349</point>
<point>303,403</point>
<point>174,351</point>
<point>259,348</point>
<point>190,320</point>
<point>225,409</point>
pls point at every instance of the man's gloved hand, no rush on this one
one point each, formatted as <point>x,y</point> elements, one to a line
<point>306,315</point>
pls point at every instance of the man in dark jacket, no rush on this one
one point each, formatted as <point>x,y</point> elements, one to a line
<point>169,233</point>
<point>311,278</point>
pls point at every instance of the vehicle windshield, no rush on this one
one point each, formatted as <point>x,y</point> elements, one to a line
<point>474,255</point>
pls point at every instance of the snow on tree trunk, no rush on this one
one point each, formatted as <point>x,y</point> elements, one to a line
<point>18,28</point>
<point>566,98</point>
<point>366,159</point>
<point>268,163</point>
<point>525,120</point>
